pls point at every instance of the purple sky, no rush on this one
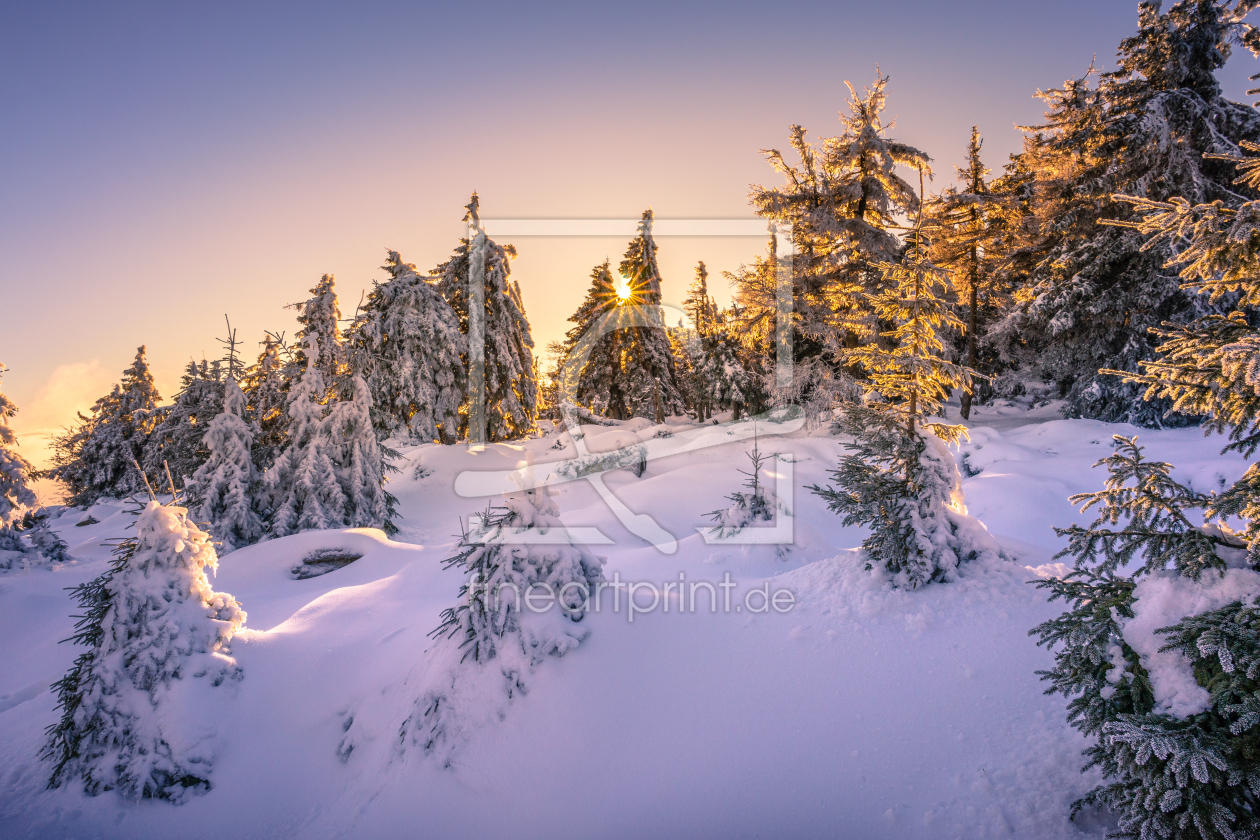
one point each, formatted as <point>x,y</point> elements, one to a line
<point>166,165</point>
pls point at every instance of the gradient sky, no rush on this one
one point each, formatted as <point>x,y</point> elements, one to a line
<point>165,164</point>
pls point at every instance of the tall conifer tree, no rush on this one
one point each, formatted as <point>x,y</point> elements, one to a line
<point>408,345</point>
<point>266,399</point>
<point>511,390</point>
<point>843,201</point>
<point>648,379</point>
<point>1087,294</point>
<point>176,438</point>
<point>222,490</point>
<point>97,458</point>
<point>961,222</point>
<point>15,471</point>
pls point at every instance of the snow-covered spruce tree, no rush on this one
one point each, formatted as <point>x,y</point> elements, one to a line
<point>133,706</point>
<point>1189,773</point>
<point>684,345</point>
<point>44,541</point>
<point>726,383</point>
<point>704,314</point>
<point>97,457</point>
<point>320,319</point>
<point>961,222</point>
<point>751,506</point>
<point>901,480</point>
<point>266,399</point>
<point>913,375</point>
<point>330,473</point>
<point>1087,293</point>
<point>843,202</point>
<point>907,489</point>
<point>359,461</point>
<point>510,385</point>
<point>301,489</point>
<point>596,382</point>
<point>408,345</point>
<point>15,471</point>
<point>177,437</point>
<point>549,381</point>
<point>487,632</point>
<point>222,492</point>
<point>648,380</point>
<point>1190,776</point>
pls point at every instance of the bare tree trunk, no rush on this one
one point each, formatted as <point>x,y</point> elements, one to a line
<point>656,403</point>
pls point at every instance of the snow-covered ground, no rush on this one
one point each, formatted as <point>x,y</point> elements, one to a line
<point>860,712</point>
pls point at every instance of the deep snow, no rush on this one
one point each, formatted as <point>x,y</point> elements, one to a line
<point>862,712</point>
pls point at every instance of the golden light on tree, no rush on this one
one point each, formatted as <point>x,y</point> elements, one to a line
<point>622,288</point>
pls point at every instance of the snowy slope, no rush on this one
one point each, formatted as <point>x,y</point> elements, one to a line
<point>862,712</point>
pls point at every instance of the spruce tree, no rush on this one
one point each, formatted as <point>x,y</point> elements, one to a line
<point>725,382</point>
<point>15,471</point>
<point>221,492</point>
<point>1088,293</point>
<point>900,480</point>
<point>843,201</point>
<point>907,490</point>
<point>487,627</point>
<point>330,473</point>
<point>913,376</point>
<point>648,380</point>
<point>45,544</point>
<point>684,345</point>
<point>359,461</point>
<point>98,457</point>
<point>755,504</point>
<point>1196,774</point>
<point>408,345</point>
<point>319,317</point>
<point>177,437</point>
<point>1189,777</point>
<point>157,636</point>
<point>595,349</point>
<point>510,387</point>
<point>961,224</point>
<point>699,305</point>
<point>301,489</point>
<point>266,399</point>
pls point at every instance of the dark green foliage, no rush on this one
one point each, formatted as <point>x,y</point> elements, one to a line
<point>1088,638</point>
<point>1151,508</point>
<point>1191,777</point>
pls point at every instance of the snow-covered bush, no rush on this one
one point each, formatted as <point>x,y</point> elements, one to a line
<point>487,635</point>
<point>134,704</point>
<point>907,489</point>
<point>42,547</point>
